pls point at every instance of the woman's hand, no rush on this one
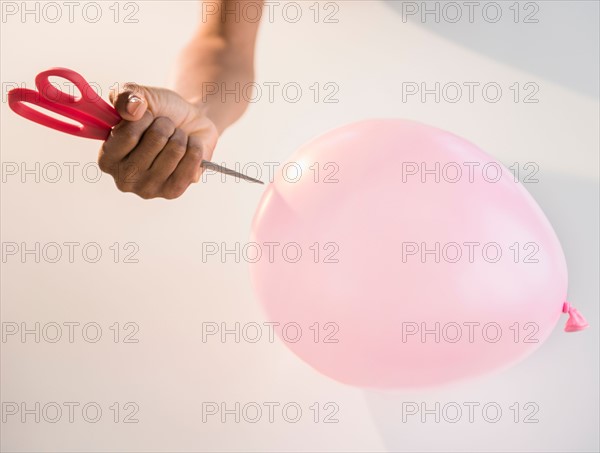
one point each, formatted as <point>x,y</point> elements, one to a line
<point>157,149</point>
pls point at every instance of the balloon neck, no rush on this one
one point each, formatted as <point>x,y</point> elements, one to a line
<point>576,321</point>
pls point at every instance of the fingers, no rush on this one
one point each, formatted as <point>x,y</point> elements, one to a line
<point>163,164</point>
<point>123,138</point>
<point>189,168</point>
<point>166,162</point>
<point>152,143</point>
<point>158,147</point>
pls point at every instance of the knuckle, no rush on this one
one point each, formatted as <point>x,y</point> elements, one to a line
<point>195,151</point>
<point>128,172</point>
<point>146,192</point>
<point>123,186</point>
<point>175,189</point>
<point>128,136</point>
<point>178,140</point>
<point>170,195</point>
<point>161,129</point>
<point>104,164</point>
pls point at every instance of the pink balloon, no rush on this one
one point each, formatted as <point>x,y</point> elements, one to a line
<point>422,261</point>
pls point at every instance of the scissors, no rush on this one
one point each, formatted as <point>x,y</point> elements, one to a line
<point>95,116</point>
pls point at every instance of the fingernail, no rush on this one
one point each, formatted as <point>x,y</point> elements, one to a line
<point>134,104</point>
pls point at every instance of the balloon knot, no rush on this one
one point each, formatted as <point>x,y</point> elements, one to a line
<point>576,321</point>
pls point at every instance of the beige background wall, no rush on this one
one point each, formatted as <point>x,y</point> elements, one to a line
<point>170,291</point>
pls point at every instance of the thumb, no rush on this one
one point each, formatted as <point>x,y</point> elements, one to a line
<point>131,102</point>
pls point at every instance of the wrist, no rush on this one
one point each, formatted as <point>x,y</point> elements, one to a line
<point>213,75</point>
<point>221,114</point>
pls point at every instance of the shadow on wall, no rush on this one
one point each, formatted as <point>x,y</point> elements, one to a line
<point>571,205</point>
<point>556,40</point>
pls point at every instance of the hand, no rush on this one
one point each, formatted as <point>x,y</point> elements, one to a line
<point>157,149</point>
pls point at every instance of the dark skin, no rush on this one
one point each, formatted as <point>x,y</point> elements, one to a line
<point>157,149</point>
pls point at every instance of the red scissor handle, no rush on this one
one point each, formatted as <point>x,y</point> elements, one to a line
<point>95,116</point>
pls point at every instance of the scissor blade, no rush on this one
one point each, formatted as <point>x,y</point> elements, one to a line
<point>227,171</point>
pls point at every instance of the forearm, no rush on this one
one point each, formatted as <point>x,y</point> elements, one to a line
<point>218,61</point>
